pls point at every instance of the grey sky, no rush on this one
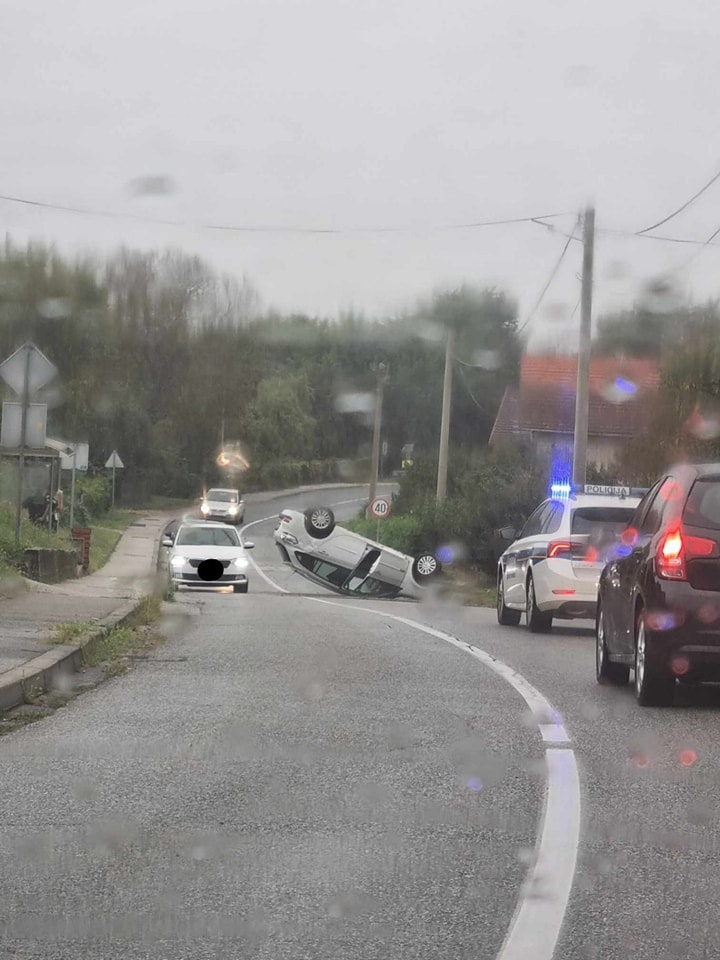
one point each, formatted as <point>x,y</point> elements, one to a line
<point>328,113</point>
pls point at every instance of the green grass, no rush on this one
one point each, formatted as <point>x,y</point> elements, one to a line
<point>71,633</point>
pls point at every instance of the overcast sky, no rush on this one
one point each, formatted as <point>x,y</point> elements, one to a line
<point>355,114</point>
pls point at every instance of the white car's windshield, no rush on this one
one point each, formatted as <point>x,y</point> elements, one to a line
<point>223,496</point>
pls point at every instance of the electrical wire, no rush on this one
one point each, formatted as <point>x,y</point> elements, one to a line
<point>683,207</point>
<point>467,387</point>
<point>550,279</point>
<point>85,211</point>
<point>646,236</point>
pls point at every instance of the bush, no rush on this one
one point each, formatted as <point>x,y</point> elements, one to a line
<point>280,475</point>
<point>486,491</point>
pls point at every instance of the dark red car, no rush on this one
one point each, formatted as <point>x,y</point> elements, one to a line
<point>659,597</point>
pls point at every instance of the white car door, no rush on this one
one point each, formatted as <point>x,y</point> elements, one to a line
<point>518,557</point>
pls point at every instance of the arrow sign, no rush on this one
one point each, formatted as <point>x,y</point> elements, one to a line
<point>114,461</point>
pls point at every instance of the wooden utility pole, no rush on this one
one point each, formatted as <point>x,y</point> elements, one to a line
<point>381,372</point>
<point>445,420</point>
<point>582,396</point>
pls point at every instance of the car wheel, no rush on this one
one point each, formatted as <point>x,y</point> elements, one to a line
<point>425,567</point>
<point>537,622</point>
<point>652,688</point>
<point>319,522</point>
<point>240,588</point>
<point>606,671</point>
<point>506,616</point>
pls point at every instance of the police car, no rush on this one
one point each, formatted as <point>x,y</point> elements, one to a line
<point>552,567</point>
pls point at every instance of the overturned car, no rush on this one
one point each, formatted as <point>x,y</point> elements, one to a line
<point>346,562</point>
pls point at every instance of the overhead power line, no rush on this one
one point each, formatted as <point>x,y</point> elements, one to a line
<point>242,228</point>
<point>553,273</point>
<point>684,206</point>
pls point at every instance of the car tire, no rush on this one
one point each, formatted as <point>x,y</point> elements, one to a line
<point>240,588</point>
<point>506,617</point>
<point>537,621</point>
<point>652,687</point>
<point>319,522</point>
<point>425,566</point>
<point>607,672</point>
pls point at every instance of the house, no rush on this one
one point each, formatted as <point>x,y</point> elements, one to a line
<point>541,408</point>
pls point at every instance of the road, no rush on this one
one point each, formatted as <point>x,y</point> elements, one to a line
<point>297,775</point>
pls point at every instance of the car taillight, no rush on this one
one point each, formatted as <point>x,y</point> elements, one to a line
<point>560,550</point>
<point>676,548</point>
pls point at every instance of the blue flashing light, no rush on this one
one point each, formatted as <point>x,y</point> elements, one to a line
<point>625,386</point>
<point>561,489</point>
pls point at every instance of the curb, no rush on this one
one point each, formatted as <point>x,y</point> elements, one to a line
<point>41,673</point>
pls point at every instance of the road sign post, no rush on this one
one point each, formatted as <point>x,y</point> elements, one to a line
<point>379,508</point>
<point>26,371</point>
<point>116,463</point>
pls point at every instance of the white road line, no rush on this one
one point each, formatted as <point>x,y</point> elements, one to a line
<point>535,928</point>
<point>537,922</point>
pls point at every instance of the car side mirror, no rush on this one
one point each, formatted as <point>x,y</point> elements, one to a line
<point>167,541</point>
<point>508,533</point>
<point>249,545</point>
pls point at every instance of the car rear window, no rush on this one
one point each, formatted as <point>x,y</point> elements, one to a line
<point>600,521</point>
<point>703,505</point>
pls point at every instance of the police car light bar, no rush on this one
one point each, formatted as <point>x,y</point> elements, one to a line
<point>564,489</point>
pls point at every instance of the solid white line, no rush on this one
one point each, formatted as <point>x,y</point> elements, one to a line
<point>535,928</point>
<point>538,918</point>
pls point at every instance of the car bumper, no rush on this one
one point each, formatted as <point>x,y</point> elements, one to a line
<point>193,580</point>
<point>683,631</point>
<point>223,517</point>
<point>564,594</point>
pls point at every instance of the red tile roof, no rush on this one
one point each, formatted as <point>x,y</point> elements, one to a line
<point>622,397</point>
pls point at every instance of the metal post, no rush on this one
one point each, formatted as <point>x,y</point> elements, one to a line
<point>50,502</point>
<point>72,491</point>
<point>375,465</point>
<point>113,487</point>
<point>583,369</point>
<point>23,438</point>
<point>445,420</point>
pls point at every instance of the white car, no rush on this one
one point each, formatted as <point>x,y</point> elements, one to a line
<point>347,563</point>
<point>223,504</point>
<point>552,568</point>
<point>208,555</point>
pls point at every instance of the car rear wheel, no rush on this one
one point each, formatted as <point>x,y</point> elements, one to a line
<point>240,588</point>
<point>319,522</point>
<point>506,616</point>
<point>652,688</point>
<point>425,567</point>
<point>606,671</point>
<point>537,621</point>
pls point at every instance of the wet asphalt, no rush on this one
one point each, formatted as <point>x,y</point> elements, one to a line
<point>284,778</point>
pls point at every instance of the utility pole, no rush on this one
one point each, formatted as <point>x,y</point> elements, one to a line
<point>582,396</point>
<point>445,420</point>
<point>381,372</point>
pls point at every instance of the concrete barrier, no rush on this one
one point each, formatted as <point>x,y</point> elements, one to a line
<point>51,566</point>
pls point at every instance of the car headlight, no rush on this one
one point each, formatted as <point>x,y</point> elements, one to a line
<point>204,508</point>
<point>289,538</point>
<point>178,561</point>
<point>232,511</point>
<point>241,563</point>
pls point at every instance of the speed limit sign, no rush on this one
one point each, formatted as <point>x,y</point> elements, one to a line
<point>380,508</point>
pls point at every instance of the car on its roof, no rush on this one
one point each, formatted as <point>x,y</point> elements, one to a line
<point>552,566</point>
<point>347,563</point>
<point>208,555</point>
<point>659,603</point>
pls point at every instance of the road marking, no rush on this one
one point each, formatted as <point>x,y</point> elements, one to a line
<point>535,928</point>
<point>538,918</point>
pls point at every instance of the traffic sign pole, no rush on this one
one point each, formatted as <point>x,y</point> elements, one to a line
<point>21,457</point>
